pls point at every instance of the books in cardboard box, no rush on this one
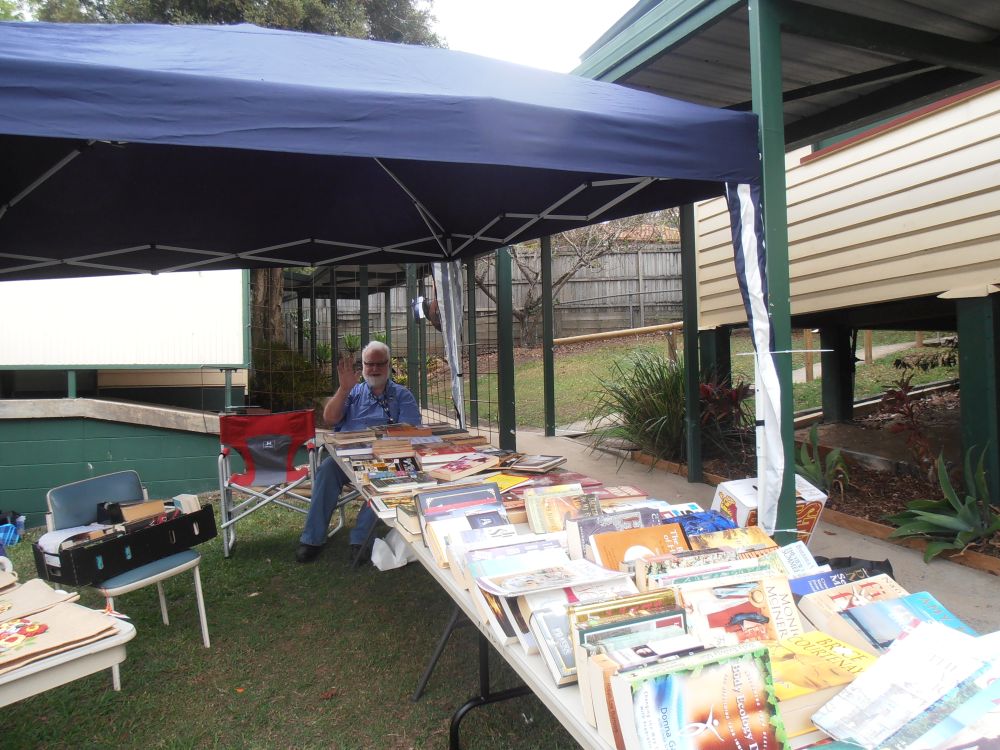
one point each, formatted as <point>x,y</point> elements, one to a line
<point>612,548</point>
<point>463,467</point>
<point>579,530</point>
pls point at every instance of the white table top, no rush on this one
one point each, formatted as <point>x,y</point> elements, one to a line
<point>67,666</point>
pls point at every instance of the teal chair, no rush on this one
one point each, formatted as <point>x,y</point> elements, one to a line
<point>75,504</point>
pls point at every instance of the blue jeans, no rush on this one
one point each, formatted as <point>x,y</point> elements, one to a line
<point>329,481</point>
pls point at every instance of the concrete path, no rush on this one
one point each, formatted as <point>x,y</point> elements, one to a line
<point>972,595</point>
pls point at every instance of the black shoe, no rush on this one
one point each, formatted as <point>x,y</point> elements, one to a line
<point>359,555</point>
<point>307,552</point>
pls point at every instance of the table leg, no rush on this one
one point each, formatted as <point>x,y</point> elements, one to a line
<point>457,620</point>
<point>484,697</point>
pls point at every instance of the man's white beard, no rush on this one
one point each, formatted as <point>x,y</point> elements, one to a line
<point>377,382</point>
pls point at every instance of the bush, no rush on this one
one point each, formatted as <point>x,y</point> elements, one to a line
<point>644,397</point>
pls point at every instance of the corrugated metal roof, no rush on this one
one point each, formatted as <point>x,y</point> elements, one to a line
<point>845,63</point>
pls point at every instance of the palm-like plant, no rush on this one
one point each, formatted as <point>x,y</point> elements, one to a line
<point>644,400</point>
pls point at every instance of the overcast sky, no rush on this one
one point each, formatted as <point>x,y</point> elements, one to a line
<point>548,34</point>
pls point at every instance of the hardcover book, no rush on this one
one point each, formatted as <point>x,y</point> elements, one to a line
<point>452,500</point>
<point>618,494</point>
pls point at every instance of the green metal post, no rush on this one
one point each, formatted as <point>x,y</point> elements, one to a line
<point>412,372</point>
<point>470,292</point>
<point>312,318</point>
<point>334,331</point>
<point>715,354</point>
<point>548,335</point>
<point>506,414</point>
<point>979,331</point>
<point>363,299</point>
<point>299,333</point>
<point>692,399</point>
<point>387,316</point>
<point>422,347</point>
<point>765,85</point>
<point>71,384</point>
<point>837,363</point>
<point>228,397</point>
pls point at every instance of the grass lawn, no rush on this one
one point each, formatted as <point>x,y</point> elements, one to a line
<point>302,656</point>
<point>580,369</point>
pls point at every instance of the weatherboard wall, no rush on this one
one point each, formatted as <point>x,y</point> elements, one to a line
<point>909,209</point>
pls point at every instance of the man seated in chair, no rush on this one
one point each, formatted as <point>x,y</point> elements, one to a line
<point>377,400</point>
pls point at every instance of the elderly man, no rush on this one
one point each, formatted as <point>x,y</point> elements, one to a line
<point>375,401</point>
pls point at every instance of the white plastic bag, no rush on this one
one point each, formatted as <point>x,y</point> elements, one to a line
<point>392,552</point>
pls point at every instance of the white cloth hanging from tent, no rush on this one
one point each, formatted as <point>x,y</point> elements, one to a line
<point>751,270</point>
<point>448,281</point>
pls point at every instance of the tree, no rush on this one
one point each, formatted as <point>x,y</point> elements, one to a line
<point>405,21</point>
<point>586,246</point>
<point>10,11</point>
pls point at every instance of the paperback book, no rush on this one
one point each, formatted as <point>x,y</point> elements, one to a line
<point>711,699</point>
<point>536,463</point>
<point>880,623</point>
<point>463,467</point>
<point>579,530</point>
<point>612,548</point>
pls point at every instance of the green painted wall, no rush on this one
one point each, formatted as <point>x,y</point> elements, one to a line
<point>38,454</point>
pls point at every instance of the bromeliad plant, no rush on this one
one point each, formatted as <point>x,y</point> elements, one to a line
<point>352,343</point>
<point>822,472</point>
<point>951,523</point>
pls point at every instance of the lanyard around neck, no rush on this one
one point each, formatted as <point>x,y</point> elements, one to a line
<point>382,401</point>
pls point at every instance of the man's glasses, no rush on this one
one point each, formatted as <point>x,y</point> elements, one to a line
<point>383,363</point>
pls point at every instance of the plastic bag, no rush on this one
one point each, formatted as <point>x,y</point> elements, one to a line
<point>392,552</point>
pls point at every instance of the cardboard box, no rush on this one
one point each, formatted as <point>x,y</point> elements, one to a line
<point>738,500</point>
<point>97,560</point>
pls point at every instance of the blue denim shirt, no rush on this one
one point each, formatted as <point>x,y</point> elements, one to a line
<point>363,409</point>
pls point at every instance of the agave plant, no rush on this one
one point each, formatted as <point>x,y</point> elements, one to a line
<point>352,343</point>
<point>823,472</point>
<point>951,523</point>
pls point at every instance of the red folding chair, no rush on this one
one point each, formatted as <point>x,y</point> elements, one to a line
<point>267,444</point>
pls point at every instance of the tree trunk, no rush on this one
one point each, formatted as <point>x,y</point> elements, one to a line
<point>267,323</point>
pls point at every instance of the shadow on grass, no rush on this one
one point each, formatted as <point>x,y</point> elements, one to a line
<point>302,656</point>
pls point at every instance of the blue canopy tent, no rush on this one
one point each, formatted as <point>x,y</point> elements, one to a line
<point>140,148</point>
